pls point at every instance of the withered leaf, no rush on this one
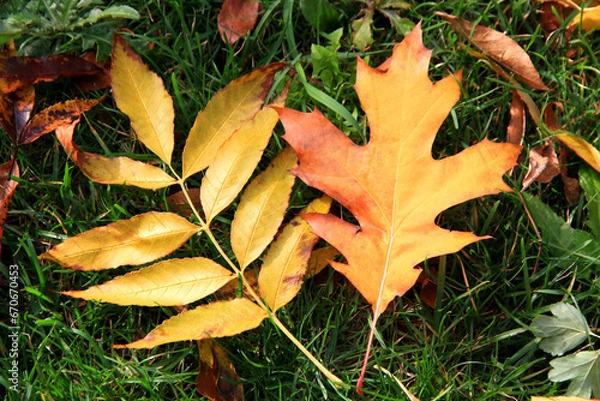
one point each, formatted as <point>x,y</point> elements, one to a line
<point>7,188</point>
<point>55,116</point>
<point>18,72</point>
<point>15,110</point>
<point>543,164</point>
<point>237,18</point>
<point>217,379</point>
<point>499,48</point>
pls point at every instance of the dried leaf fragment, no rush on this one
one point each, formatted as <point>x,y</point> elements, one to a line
<point>217,379</point>
<point>237,18</point>
<point>499,47</point>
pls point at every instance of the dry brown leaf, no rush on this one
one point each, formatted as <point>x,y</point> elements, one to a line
<point>517,123</point>
<point>237,18</point>
<point>499,47</point>
<point>543,164</point>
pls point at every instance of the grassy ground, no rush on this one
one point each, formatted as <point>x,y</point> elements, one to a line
<point>474,346</point>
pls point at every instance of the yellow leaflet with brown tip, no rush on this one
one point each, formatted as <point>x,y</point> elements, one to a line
<point>585,150</point>
<point>141,239</point>
<point>141,95</point>
<point>168,283</point>
<point>224,114</point>
<point>214,320</point>
<point>262,208</point>
<point>112,170</point>
<point>284,268</point>
<point>234,163</point>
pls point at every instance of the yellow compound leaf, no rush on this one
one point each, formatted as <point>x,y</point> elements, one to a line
<point>226,112</point>
<point>141,95</point>
<point>262,208</point>
<point>583,149</point>
<point>234,163</point>
<point>168,283</point>
<point>284,268</point>
<point>214,320</point>
<point>141,239</point>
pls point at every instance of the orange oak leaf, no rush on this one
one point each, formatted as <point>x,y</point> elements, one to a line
<point>393,186</point>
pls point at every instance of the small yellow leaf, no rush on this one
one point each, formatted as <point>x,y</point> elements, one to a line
<point>226,112</point>
<point>319,260</point>
<point>589,19</point>
<point>214,320</point>
<point>262,208</point>
<point>168,283</point>
<point>283,271</point>
<point>234,163</point>
<point>583,149</point>
<point>141,239</point>
<point>141,95</point>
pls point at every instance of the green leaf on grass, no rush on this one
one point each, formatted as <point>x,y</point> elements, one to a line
<point>563,241</point>
<point>561,332</point>
<point>583,368</point>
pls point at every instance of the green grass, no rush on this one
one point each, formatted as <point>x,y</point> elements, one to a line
<point>473,346</point>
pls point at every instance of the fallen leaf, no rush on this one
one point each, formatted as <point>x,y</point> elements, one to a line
<point>518,122</point>
<point>168,283</point>
<point>572,188</point>
<point>234,163</point>
<point>563,331</point>
<point>226,112</point>
<point>543,164</point>
<point>217,379</point>
<point>588,19</point>
<point>320,259</point>
<point>141,95</point>
<point>19,72</point>
<point>237,18</point>
<point>7,189</point>
<point>112,170</point>
<point>284,268</point>
<point>582,148</point>
<point>55,116</point>
<point>582,369</point>
<point>499,48</point>
<point>392,185</point>
<point>178,201</point>
<point>141,239</point>
<point>262,208</point>
<point>15,111</point>
<point>214,320</point>
<point>362,37</point>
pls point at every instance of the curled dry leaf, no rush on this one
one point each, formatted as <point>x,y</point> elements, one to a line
<point>543,164</point>
<point>237,18</point>
<point>499,47</point>
<point>15,111</point>
<point>517,123</point>
<point>178,201</point>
